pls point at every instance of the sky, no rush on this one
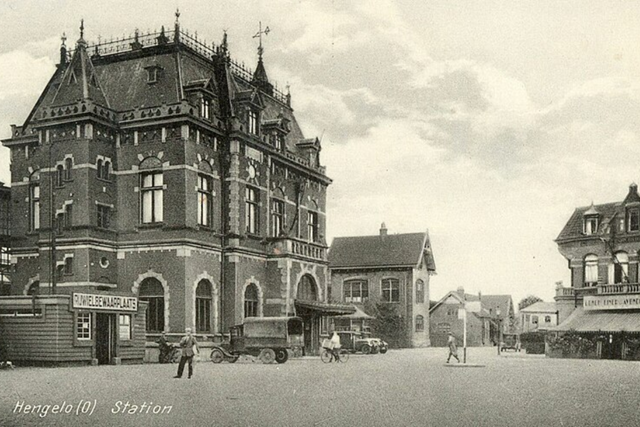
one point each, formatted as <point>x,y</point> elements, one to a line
<point>485,123</point>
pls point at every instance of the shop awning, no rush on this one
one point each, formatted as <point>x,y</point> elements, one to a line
<point>356,315</point>
<point>323,308</point>
<point>600,321</point>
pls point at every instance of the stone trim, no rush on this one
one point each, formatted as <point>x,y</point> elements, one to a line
<point>249,281</point>
<point>150,273</point>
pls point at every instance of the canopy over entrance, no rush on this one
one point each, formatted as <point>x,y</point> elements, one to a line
<point>600,321</point>
<point>322,308</point>
<point>356,315</point>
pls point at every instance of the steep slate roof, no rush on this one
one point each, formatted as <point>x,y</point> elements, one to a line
<point>404,250</point>
<point>540,307</point>
<point>607,213</point>
<point>119,81</point>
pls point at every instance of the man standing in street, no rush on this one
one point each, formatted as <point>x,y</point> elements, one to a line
<point>453,348</point>
<point>187,343</point>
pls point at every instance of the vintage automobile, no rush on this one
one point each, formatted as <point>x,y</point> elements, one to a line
<point>355,342</point>
<point>510,342</point>
<point>268,338</point>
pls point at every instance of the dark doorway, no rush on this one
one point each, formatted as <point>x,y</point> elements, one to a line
<point>105,338</point>
<point>612,348</point>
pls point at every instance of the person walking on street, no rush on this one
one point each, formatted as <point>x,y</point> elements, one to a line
<point>453,348</point>
<point>187,343</point>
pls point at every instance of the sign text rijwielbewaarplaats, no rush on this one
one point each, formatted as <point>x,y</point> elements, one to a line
<point>105,302</point>
<point>611,302</point>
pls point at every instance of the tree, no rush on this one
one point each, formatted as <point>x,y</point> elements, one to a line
<point>527,301</point>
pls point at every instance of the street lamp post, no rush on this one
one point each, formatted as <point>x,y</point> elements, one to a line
<point>499,331</point>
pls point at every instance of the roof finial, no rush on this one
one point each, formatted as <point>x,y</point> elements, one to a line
<point>82,28</point>
<point>64,39</point>
<point>177,16</point>
<point>259,35</point>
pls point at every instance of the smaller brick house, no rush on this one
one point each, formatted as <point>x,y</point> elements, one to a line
<point>446,316</point>
<point>387,275</point>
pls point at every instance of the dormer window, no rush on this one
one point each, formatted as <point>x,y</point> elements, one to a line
<point>633,219</point>
<point>205,108</point>
<point>278,141</point>
<point>590,224</point>
<point>253,122</point>
<point>153,74</point>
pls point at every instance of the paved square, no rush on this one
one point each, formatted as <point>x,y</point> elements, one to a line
<point>401,388</point>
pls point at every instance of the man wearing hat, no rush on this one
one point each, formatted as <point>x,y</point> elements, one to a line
<point>453,348</point>
<point>187,343</point>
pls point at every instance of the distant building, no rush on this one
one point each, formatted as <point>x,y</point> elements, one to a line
<point>538,317</point>
<point>446,316</point>
<point>602,245</point>
<point>386,273</point>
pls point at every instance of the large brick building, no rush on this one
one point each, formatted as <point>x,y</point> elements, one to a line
<point>386,273</point>
<point>158,167</point>
<point>602,246</point>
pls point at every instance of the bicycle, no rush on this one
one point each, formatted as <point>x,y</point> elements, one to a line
<point>172,355</point>
<point>327,356</point>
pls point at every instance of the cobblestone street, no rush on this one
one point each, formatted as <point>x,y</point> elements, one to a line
<point>402,388</point>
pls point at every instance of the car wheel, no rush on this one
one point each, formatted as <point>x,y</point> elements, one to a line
<point>366,349</point>
<point>282,355</point>
<point>267,355</point>
<point>383,350</point>
<point>217,356</point>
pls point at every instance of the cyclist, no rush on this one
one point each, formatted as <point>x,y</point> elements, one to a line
<point>335,346</point>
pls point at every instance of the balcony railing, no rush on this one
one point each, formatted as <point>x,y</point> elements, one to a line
<point>288,246</point>
<point>564,292</point>
<point>619,288</point>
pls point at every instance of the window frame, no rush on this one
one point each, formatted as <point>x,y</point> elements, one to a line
<point>313,226</point>
<point>391,281</point>
<point>204,308</point>
<point>252,122</point>
<point>103,216</point>
<point>420,291</point>
<point>590,264</point>
<point>419,323</point>
<point>128,325</point>
<point>156,192</point>
<point>205,200</point>
<point>252,210</point>
<point>277,217</point>
<point>348,288</point>
<point>251,306</point>
<point>633,219</point>
<point>34,206</point>
<point>83,331</point>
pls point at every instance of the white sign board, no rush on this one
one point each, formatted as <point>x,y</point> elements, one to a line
<point>104,302</point>
<point>611,302</point>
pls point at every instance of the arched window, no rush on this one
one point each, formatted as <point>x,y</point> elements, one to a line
<point>419,291</point>
<point>151,290</point>
<point>34,289</point>
<point>307,289</point>
<point>205,200</point>
<point>619,268</point>
<point>106,171</point>
<point>356,291</point>
<point>590,270</point>
<point>203,306</point>
<point>251,301</point>
<point>68,165</point>
<point>419,323</point>
<point>59,175</point>
<point>390,290</point>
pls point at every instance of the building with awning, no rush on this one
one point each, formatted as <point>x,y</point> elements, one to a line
<point>601,243</point>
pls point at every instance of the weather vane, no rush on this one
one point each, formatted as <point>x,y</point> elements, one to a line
<point>259,35</point>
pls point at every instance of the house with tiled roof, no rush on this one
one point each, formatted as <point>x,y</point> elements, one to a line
<point>156,168</point>
<point>446,316</point>
<point>601,243</point>
<point>389,274</point>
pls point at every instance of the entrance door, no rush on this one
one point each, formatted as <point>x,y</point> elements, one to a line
<point>105,338</point>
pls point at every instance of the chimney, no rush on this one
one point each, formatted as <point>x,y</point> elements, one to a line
<point>633,188</point>
<point>479,296</point>
<point>383,229</point>
<point>461,291</point>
